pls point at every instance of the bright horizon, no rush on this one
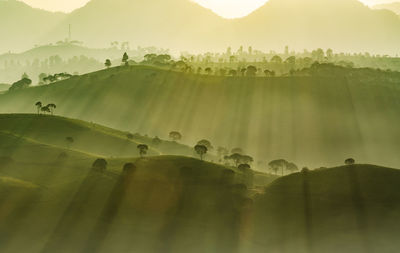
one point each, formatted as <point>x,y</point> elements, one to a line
<point>224,8</point>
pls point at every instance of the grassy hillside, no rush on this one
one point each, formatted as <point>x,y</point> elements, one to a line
<point>89,138</point>
<point>347,209</point>
<point>4,87</point>
<point>159,205</point>
<point>312,120</point>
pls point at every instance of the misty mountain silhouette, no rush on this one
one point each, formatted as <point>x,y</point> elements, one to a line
<point>21,26</point>
<point>344,25</point>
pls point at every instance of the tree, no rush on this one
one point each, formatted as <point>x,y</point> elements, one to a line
<point>244,167</point>
<point>143,148</point>
<point>125,59</point>
<point>206,143</point>
<point>251,71</point>
<point>175,136</point>
<point>277,165</point>
<point>129,168</point>
<point>276,59</point>
<point>350,161</point>
<point>291,167</point>
<point>69,141</point>
<point>51,107</point>
<point>100,165</point>
<point>232,72</point>
<point>236,158</point>
<point>246,159</point>
<point>21,84</point>
<point>129,136</point>
<point>107,63</point>
<point>201,150</point>
<point>38,106</point>
<point>45,109</point>
<point>208,70</point>
<point>237,150</point>
<point>156,141</point>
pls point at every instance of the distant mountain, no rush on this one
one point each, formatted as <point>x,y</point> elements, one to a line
<point>21,26</point>
<point>344,25</point>
<point>178,24</point>
<point>395,7</point>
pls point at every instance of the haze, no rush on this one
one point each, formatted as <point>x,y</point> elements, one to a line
<point>225,8</point>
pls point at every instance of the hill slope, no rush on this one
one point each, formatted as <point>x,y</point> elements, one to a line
<point>22,26</point>
<point>351,209</point>
<point>312,120</point>
<point>87,137</point>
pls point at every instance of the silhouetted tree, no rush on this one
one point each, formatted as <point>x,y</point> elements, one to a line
<point>277,165</point>
<point>251,71</point>
<point>237,150</point>
<point>201,150</point>
<point>246,159</point>
<point>243,167</point>
<point>38,106</point>
<point>291,167</point>
<point>208,70</point>
<point>236,158</point>
<point>100,165</point>
<point>232,72</point>
<point>125,59</point>
<point>129,136</point>
<point>156,141</point>
<point>143,148</point>
<point>175,136</point>
<point>51,107</point>
<point>206,143</point>
<point>350,161</point>
<point>107,63</point>
<point>129,168</point>
<point>45,109</point>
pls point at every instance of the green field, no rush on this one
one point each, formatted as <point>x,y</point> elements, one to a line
<point>311,120</point>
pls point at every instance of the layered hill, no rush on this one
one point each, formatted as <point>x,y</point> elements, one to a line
<point>316,120</point>
<point>22,26</point>
<point>348,209</point>
<point>344,25</point>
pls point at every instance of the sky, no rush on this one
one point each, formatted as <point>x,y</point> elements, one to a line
<point>225,8</point>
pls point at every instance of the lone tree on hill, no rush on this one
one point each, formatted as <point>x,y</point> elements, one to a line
<point>107,63</point>
<point>69,141</point>
<point>206,143</point>
<point>235,158</point>
<point>175,136</point>
<point>201,150</point>
<point>129,136</point>
<point>350,161</point>
<point>38,106</point>
<point>125,59</point>
<point>143,148</point>
<point>100,165</point>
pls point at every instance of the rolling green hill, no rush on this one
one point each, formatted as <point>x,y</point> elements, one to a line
<point>89,138</point>
<point>317,120</point>
<point>347,209</point>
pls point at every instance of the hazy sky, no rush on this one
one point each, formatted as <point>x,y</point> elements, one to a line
<point>226,8</point>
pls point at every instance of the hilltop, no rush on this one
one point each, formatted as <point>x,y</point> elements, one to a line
<point>336,116</point>
<point>348,209</point>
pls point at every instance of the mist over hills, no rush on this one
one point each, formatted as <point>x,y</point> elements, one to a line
<point>22,26</point>
<point>345,25</point>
